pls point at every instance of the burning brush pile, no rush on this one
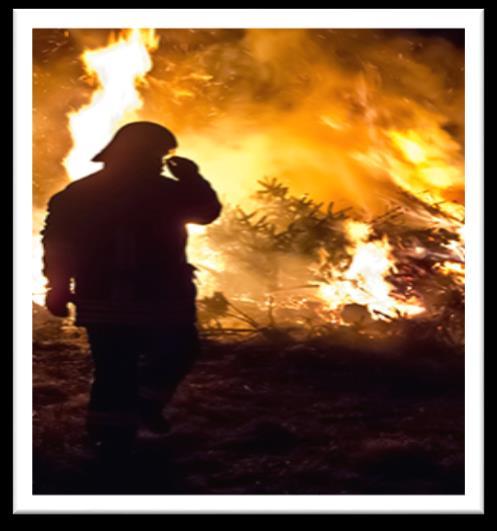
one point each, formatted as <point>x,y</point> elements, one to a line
<point>299,267</point>
<point>358,228</point>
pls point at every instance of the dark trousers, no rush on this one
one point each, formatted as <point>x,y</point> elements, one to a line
<point>137,370</point>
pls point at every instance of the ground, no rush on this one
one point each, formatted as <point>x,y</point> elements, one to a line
<point>267,416</point>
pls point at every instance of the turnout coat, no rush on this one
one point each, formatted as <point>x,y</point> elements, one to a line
<point>120,241</point>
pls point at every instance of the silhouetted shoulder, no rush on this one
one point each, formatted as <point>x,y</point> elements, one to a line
<point>83,184</point>
<point>75,189</point>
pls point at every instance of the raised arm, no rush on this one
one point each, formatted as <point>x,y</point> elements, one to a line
<point>197,198</point>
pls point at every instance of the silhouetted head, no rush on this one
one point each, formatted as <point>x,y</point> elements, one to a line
<point>138,144</point>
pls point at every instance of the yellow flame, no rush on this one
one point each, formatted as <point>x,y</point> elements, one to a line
<point>208,261</point>
<point>357,231</point>
<point>364,282</point>
<point>38,281</point>
<point>436,168</point>
<point>429,167</point>
<point>410,145</point>
<point>117,69</point>
<point>456,270</point>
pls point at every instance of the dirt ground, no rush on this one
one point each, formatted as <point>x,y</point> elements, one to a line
<point>264,417</point>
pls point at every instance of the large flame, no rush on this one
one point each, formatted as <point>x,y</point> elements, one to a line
<point>117,70</point>
<point>338,133</point>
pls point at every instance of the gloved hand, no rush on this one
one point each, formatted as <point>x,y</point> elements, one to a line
<point>181,167</point>
<point>56,301</point>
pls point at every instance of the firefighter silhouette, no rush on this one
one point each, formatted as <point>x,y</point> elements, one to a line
<point>114,245</point>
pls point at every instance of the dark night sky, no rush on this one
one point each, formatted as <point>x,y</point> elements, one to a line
<point>456,36</point>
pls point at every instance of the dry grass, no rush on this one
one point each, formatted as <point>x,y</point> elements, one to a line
<point>265,417</point>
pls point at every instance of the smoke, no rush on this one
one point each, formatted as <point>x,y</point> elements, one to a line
<point>305,106</point>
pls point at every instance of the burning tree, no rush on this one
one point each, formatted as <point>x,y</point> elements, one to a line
<point>295,263</point>
<point>286,257</point>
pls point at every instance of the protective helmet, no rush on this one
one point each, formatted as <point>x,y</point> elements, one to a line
<point>145,140</point>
